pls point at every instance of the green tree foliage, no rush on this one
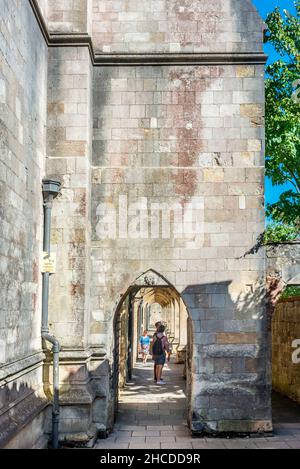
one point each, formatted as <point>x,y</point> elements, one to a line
<point>280,232</point>
<point>291,291</point>
<point>283,117</point>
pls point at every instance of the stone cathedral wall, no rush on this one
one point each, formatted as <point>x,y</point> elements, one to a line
<point>23,96</point>
<point>134,102</point>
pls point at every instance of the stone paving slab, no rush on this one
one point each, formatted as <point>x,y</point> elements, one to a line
<point>146,433</point>
<point>294,444</point>
<point>204,444</point>
<point>142,424</point>
<point>176,446</point>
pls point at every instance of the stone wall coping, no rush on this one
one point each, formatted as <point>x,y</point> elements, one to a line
<point>291,299</point>
<point>283,242</point>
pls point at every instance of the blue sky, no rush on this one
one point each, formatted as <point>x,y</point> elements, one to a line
<point>264,7</point>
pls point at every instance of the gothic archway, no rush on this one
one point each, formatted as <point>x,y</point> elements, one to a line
<point>133,313</point>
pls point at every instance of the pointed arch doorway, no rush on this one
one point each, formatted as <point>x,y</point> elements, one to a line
<point>149,299</point>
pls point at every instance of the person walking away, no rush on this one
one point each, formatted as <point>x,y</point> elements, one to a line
<point>157,325</point>
<point>159,350</point>
<point>145,346</point>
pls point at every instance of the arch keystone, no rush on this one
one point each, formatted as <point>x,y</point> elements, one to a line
<point>151,278</point>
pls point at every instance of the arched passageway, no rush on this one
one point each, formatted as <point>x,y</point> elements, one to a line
<point>137,398</point>
<point>283,281</point>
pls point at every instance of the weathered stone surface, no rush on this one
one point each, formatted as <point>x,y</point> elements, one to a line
<point>285,342</point>
<point>172,26</point>
<point>282,266</point>
<point>66,16</point>
<point>171,132</point>
<point>167,135</point>
<point>283,261</point>
<point>23,92</point>
<point>236,338</point>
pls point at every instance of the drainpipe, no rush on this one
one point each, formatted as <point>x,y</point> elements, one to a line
<point>51,189</point>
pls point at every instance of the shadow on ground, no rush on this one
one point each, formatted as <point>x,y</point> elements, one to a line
<point>154,417</point>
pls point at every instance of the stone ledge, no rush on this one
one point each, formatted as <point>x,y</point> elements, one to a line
<point>234,350</point>
<point>76,355</point>
<point>181,59</point>
<point>17,368</point>
<point>75,395</point>
<point>283,242</point>
<point>232,428</point>
<point>71,356</point>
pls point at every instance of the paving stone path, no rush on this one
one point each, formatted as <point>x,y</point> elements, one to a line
<point>154,417</point>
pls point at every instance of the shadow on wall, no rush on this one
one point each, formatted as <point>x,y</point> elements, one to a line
<point>83,408</point>
<point>229,357</point>
<point>230,374</point>
<point>20,405</point>
<point>85,399</point>
<point>26,415</point>
<point>226,301</point>
<point>229,377</point>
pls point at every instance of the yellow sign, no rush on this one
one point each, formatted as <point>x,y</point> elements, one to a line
<point>48,262</point>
